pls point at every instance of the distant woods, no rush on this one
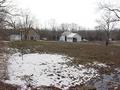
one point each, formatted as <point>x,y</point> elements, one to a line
<point>90,35</point>
<point>12,18</point>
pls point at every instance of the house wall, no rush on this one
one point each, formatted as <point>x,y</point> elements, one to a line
<point>62,38</point>
<point>79,38</point>
<point>15,37</point>
<point>33,35</point>
<point>70,39</point>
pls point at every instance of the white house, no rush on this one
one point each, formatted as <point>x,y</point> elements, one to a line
<point>24,34</point>
<point>70,37</point>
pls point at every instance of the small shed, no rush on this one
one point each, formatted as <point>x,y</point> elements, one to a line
<point>24,34</point>
<point>15,37</point>
<point>70,37</point>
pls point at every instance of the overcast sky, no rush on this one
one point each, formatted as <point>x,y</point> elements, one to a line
<point>82,12</point>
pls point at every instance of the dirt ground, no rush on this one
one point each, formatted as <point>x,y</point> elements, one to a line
<point>3,45</point>
<point>4,86</point>
<point>3,59</point>
<point>82,52</point>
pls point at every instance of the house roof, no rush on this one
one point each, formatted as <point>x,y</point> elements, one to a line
<point>17,31</point>
<point>71,35</point>
<point>66,33</point>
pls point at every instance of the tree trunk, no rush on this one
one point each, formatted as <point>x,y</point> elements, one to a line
<point>108,36</point>
<point>107,42</point>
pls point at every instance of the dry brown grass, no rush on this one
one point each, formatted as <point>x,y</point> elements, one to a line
<point>82,52</point>
<point>4,86</point>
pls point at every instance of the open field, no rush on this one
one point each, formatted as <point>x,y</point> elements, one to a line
<point>82,52</point>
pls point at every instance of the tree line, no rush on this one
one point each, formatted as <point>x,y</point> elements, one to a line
<point>12,18</point>
<point>90,35</point>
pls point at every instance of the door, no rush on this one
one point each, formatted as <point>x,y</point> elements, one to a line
<point>65,38</point>
<point>74,39</point>
<point>31,38</point>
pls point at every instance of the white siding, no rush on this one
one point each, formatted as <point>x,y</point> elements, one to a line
<point>70,37</point>
<point>78,37</point>
<point>15,37</point>
<point>62,38</point>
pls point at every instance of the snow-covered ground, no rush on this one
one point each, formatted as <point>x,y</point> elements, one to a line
<point>46,69</point>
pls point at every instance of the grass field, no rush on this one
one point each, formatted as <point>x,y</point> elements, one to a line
<point>82,52</point>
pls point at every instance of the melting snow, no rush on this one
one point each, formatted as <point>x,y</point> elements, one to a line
<point>46,69</point>
<point>99,64</point>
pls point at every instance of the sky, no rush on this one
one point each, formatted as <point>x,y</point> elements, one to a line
<point>82,12</point>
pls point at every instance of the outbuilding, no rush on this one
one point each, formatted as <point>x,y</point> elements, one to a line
<point>70,37</point>
<point>24,34</point>
<point>15,37</point>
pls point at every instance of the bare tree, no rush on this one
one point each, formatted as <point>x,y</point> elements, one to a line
<point>106,23</point>
<point>69,27</point>
<point>112,17</point>
<point>52,24</point>
<point>65,26</point>
<point>112,8</point>
<point>24,22</point>
<point>73,27</point>
<point>7,13</point>
<point>4,11</point>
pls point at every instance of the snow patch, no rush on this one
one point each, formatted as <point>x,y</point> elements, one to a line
<point>46,69</point>
<point>100,64</point>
